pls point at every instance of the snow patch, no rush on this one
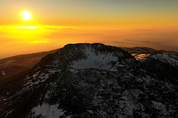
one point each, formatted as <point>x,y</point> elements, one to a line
<point>39,77</point>
<point>49,111</point>
<point>3,73</point>
<point>166,59</point>
<point>9,112</point>
<point>99,61</point>
<point>161,107</point>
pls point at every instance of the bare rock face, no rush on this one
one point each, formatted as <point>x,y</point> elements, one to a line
<point>93,81</point>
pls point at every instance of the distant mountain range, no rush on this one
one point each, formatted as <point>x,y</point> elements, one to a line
<point>90,81</point>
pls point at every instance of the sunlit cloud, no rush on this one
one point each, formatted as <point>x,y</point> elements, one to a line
<point>44,38</point>
<point>27,27</point>
<point>35,42</point>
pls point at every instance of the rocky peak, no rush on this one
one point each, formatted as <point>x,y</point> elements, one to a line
<point>99,56</point>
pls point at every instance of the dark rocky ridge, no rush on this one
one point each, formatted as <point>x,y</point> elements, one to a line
<point>145,89</point>
<point>74,52</point>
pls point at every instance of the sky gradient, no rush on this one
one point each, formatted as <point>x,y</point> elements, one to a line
<point>54,23</point>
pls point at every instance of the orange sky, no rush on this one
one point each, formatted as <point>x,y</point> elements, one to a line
<point>55,23</point>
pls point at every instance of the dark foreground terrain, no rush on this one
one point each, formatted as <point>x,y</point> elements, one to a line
<point>95,81</point>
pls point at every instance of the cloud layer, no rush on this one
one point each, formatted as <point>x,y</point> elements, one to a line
<point>21,41</point>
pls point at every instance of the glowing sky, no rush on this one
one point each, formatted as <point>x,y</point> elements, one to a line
<point>54,23</point>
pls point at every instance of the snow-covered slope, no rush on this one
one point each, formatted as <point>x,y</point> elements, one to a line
<point>92,81</point>
<point>99,61</point>
<point>166,58</point>
<point>142,53</point>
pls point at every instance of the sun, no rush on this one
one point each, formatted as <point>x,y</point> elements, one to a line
<point>26,15</point>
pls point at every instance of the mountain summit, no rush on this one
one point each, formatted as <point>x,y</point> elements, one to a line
<point>94,81</point>
<point>87,56</point>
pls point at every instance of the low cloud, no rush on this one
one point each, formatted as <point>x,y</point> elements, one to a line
<point>35,42</point>
<point>13,41</point>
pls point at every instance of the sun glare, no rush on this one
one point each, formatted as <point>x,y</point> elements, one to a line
<point>27,27</point>
<point>26,15</point>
